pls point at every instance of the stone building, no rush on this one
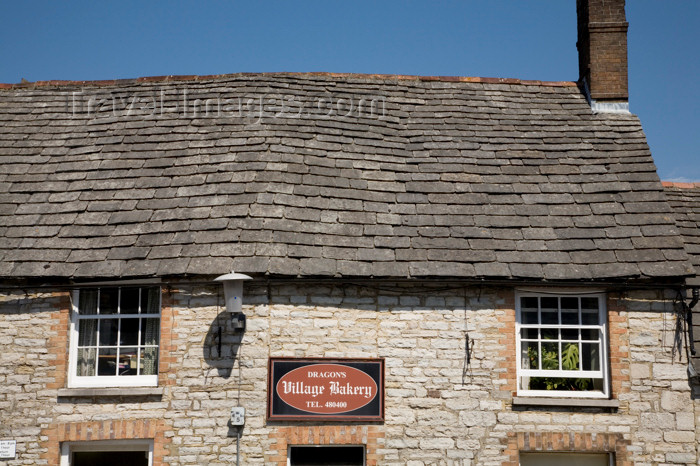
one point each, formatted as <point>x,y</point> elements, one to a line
<point>493,264</point>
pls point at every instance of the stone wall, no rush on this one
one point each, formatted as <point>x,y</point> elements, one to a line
<point>438,412</point>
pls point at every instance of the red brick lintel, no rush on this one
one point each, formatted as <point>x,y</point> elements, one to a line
<point>396,77</point>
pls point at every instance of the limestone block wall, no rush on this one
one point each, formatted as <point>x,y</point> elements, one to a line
<point>660,393</point>
<point>28,370</point>
<point>439,411</point>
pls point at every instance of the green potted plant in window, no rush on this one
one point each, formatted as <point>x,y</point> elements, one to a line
<point>550,361</point>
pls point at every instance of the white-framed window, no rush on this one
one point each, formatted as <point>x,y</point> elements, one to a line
<point>114,337</point>
<point>137,452</point>
<point>561,341</point>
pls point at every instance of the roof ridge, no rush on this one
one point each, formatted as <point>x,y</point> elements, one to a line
<point>180,78</point>
<point>681,185</point>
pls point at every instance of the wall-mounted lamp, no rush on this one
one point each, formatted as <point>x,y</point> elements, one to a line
<point>233,295</point>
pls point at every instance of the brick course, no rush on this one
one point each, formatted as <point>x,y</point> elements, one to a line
<point>106,430</point>
<point>544,442</point>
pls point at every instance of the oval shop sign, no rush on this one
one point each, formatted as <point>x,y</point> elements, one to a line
<point>316,389</point>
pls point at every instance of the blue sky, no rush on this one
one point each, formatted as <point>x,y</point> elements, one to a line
<point>534,39</point>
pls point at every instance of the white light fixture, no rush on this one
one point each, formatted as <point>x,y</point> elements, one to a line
<point>233,295</point>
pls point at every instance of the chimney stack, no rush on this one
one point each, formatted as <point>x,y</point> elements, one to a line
<point>602,53</point>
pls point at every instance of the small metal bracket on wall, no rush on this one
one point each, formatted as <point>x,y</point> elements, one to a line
<point>468,341</point>
<point>238,322</point>
<point>689,317</point>
<point>468,348</point>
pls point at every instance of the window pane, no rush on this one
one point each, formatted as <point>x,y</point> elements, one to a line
<point>590,317</point>
<point>528,309</point>
<point>129,301</point>
<point>87,302</point>
<point>87,332</point>
<point>127,361</point>
<point>569,303</point>
<point>550,311</point>
<point>149,361</point>
<point>550,334</point>
<point>569,311</point>
<point>109,300</point>
<point>109,458</point>
<point>550,356</point>
<point>589,311</point>
<point>530,317</point>
<point>86,361</point>
<point>569,334</point>
<point>149,331</point>
<point>107,361</point>
<point>589,303</point>
<point>567,384</point>
<point>590,334</point>
<point>150,300</point>
<point>570,357</point>
<point>590,359</point>
<point>129,332</point>
<point>529,302</point>
<point>550,302</point>
<point>529,333</point>
<point>326,456</point>
<point>108,332</point>
<point>569,317</point>
<point>530,355</point>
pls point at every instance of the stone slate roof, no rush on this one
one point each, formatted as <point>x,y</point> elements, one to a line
<point>443,177</point>
<point>684,199</point>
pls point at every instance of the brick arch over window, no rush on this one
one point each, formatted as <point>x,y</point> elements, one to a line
<point>107,430</point>
<point>370,436</point>
<point>558,442</point>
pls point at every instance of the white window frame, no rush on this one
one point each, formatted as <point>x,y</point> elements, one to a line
<point>603,373</point>
<point>107,381</point>
<point>67,448</point>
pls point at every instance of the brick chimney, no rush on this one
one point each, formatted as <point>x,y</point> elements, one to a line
<point>602,53</point>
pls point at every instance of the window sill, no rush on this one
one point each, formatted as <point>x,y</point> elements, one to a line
<point>565,402</point>
<point>117,391</point>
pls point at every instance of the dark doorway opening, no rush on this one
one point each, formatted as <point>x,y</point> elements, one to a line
<point>327,455</point>
<point>110,458</point>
